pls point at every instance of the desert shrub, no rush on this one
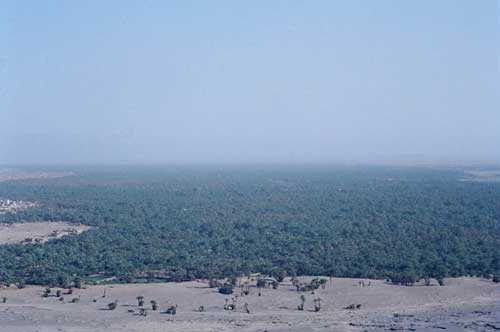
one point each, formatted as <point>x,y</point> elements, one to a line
<point>226,289</point>
<point>112,305</point>
<point>213,283</point>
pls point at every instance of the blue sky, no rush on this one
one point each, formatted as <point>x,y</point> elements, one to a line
<point>260,81</point>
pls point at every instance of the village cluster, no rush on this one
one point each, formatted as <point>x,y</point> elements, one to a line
<point>12,206</point>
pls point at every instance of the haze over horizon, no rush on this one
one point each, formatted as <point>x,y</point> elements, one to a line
<point>263,82</point>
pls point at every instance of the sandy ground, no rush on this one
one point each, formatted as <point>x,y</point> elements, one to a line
<point>464,304</point>
<point>44,231</point>
<point>10,174</point>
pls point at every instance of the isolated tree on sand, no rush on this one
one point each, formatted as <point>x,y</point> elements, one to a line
<point>317,304</point>
<point>213,283</point>
<point>154,305</point>
<point>226,289</point>
<point>140,301</point>
<point>302,302</point>
<point>280,276</point>
<point>46,292</point>
<point>246,288</point>
<point>77,282</point>
<point>323,282</point>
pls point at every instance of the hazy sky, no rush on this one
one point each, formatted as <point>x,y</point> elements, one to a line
<point>249,81</point>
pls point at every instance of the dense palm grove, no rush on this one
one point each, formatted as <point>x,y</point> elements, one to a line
<point>373,222</point>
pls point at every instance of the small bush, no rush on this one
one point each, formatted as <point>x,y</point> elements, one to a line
<point>226,289</point>
<point>112,305</point>
<point>212,283</point>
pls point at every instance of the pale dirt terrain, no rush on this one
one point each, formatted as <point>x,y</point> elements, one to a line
<point>11,174</point>
<point>38,232</point>
<point>463,304</point>
<point>482,176</point>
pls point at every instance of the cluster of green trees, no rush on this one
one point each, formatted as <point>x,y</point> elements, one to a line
<point>370,222</point>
